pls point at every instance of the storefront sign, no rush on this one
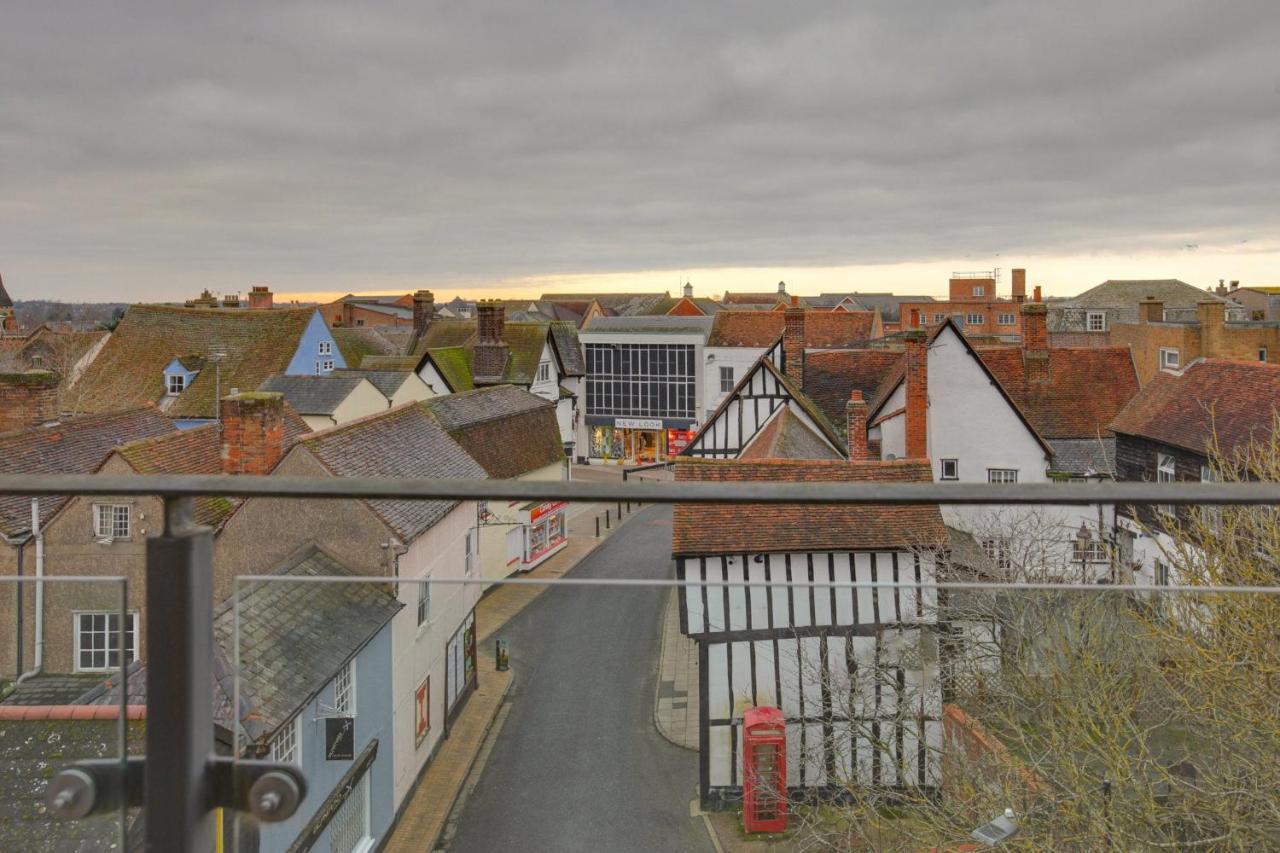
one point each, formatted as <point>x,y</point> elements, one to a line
<point>638,423</point>
<point>678,439</point>
<point>339,738</point>
<point>545,509</point>
<point>422,705</point>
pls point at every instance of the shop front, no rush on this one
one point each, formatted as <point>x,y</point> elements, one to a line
<point>546,531</point>
<point>638,441</point>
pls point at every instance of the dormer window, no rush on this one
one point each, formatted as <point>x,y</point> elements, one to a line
<point>175,384</point>
<point>544,371</point>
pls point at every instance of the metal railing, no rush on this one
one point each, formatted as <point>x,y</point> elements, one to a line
<point>181,792</point>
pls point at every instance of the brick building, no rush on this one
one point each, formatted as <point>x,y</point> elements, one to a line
<point>1159,342</point>
<point>973,305</point>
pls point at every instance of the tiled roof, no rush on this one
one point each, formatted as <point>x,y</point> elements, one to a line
<point>659,325</point>
<point>564,337</point>
<point>296,636</point>
<point>189,451</point>
<point>357,342</point>
<point>314,395</point>
<point>888,303</point>
<point>621,304</point>
<point>524,341</point>
<point>1086,388</point>
<point>770,298</point>
<point>130,368</point>
<point>786,436</point>
<point>1127,293</point>
<point>822,329</point>
<point>454,364</point>
<point>507,430</point>
<point>1234,400</point>
<point>389,362</point>
<point>830,377</point>
<point>388,382</point>
<point>77,446</point>
<point>756,528</point>
<point>406,441</point>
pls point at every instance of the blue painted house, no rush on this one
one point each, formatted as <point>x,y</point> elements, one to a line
<point>315,691</point>
<point>183,359</point>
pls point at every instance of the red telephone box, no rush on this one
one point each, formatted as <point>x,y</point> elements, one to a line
<point>764,770</point>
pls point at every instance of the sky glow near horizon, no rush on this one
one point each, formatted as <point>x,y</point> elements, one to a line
<point>509,149</point>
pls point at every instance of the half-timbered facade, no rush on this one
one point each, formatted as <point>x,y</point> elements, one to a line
<point>854,670</point>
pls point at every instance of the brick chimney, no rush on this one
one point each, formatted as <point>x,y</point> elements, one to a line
<point>252,432</point>
<point>855,417</point>
<point>1020,285</point>
<point>490,360</point>
<point>917,382</point>
<point>1212,316</point>
<point>793,341</point>
<point>915,318</point>
<point>1035,341</point>
<point>260,298</point>
<point>424,309</point>
<point>1150,310</point>
<point>231,300</point>
<point>1036,295</point>
<point>28,399</point>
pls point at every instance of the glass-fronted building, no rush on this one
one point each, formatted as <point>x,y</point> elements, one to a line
<point>642,386</point>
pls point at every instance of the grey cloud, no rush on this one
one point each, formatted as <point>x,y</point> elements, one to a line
<point>476,140</point>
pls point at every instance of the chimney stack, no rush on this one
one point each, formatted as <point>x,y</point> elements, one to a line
<point>1212,316</point>
<point>1035,296</point>
<point>1020,285</point>
<point>855,415</point>
<point>28,399</point>
<point>231,300</point>
<point>260,298</point>
<point>424,308</point>
<point>917,382</point>
<point>1035,341</point>
<point>489,362</point>
<point>915,318</point>
<point>793,341</point>
<point>1150,310</point>
<point>252,432</point>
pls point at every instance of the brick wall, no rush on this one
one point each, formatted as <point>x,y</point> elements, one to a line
<point>27,399</point>
<point>252,433</point>
<point>917,382</point>
<point>1232,340</point>
<point>793,342</point>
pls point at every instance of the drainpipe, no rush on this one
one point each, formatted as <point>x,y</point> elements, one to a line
<point>20,543</point>
<point>36,533</point>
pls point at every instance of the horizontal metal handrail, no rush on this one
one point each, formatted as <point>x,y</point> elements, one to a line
<point>648,492</point>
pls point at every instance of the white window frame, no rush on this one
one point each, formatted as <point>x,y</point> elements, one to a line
<point>326,366</point>
<point>1160,573</point>
<point>358,798</point>
<point>469,564</point>
<point>344,690</point>
<point>282,750</point>
<point>939,319</point>
<point>424,601</point>
<point>979,290</point>
<point>112,643</point>
<point>1100,317</point>
<point>115,523</point>
<point>954,464</point>
<point>326,348</point>
<point>997,550</point>
<point>1170,358</point>
<point>1007,319</point>
<point>1088,550</point>
<point>726,378</point>
<point>974,320</point>
<point>1002,475</point>
<point>175,384</point>
<point>1166,472</point>
<point>544,371</point>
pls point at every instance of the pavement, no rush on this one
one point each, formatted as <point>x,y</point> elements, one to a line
<point>425,817</point>
<point>577,763</point>
<point>675,707</point>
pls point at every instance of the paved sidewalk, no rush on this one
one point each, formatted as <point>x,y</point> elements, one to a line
<point>675,709</point>
<point>424,817</point>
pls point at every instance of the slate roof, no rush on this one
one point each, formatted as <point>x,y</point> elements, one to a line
<point>822,329</point>
<point>769,298</point>
<point>129,370</point>
<point>76,446</point>
<point>507,430</point>
<point>387,382</point>
<point>295,637</point>
<point>1120,297</point>
<point>5,301</point>
<point>54,688</point>
<point>786,436</point>
<point>314,395</point>
<point>890,304</point>
<point>649,325</point>
<point>1082,456</point>
<point>406,441</point>
<point>1236,400</point>
<point>757,528</point>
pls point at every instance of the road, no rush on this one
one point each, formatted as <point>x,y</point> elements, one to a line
<point>578,764</point>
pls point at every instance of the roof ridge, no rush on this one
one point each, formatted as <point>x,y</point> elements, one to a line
<point>320,435</point>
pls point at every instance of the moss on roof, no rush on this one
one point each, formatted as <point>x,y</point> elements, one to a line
<point>454,364</point>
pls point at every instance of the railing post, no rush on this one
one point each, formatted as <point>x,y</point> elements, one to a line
<point>597,527</point>
<point>179,683</point>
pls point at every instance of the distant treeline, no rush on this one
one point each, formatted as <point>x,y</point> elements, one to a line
<point>33,312</point>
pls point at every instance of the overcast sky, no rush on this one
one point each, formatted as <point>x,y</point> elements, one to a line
<point>146,152</point>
